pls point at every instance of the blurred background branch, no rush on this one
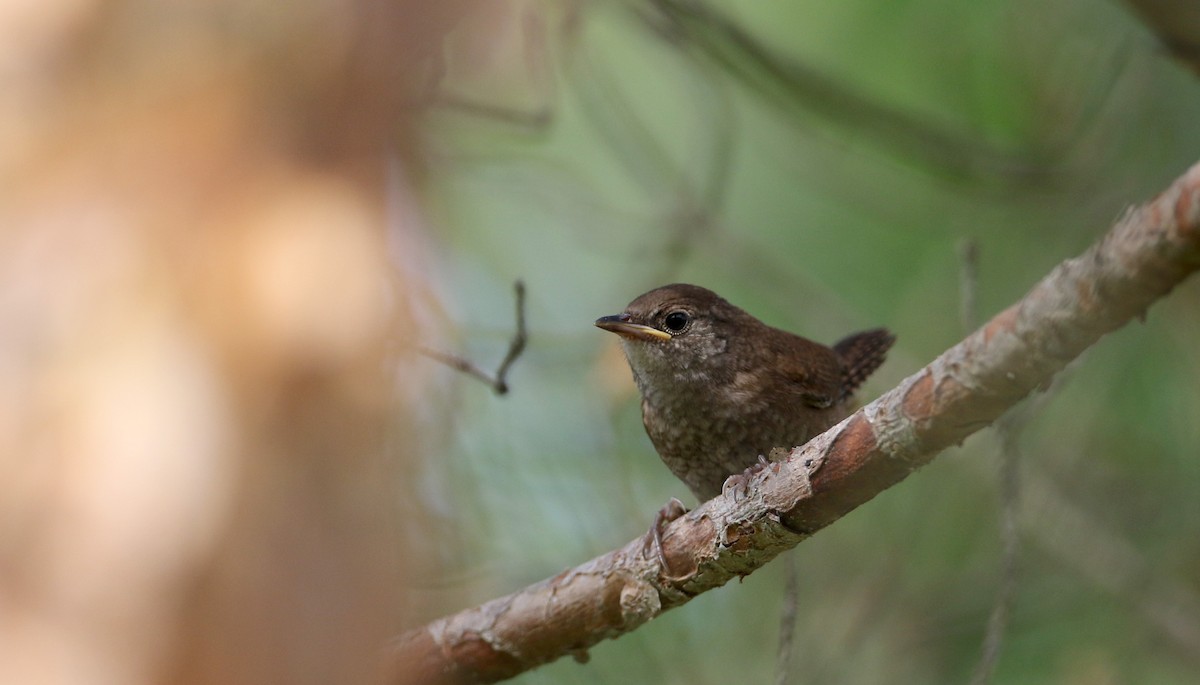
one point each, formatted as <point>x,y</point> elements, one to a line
<point>800,90</point>
<point>1177,23</point>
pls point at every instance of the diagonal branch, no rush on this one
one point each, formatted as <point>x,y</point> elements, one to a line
<point>1149,251</point>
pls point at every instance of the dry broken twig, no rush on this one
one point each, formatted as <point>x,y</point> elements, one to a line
<point>498,381</point>
<point>1149,251</point>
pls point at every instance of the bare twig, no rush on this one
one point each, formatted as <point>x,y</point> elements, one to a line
<point>968,283</point>
<point>498,381</point>
<point>1149,251</point>
<point>997,626</point>
<point>535,120</point>
<point>1007,430</point>
<point>517,345</point>
<point>787,620</point>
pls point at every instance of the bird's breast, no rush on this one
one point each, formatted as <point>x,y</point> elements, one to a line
<point>706,435</point>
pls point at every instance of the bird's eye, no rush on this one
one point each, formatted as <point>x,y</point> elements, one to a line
<point>676,321</point>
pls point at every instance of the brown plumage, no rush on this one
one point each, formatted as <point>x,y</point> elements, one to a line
<point>719,387</point>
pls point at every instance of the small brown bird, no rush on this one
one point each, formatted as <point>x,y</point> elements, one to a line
<point>720,388</point>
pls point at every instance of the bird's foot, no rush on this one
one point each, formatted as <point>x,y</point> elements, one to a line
<point>670,511</point>
<point>739,483</point>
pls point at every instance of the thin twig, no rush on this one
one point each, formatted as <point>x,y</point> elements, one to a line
<point>787,619</point>
<point>498,381</point>
<point>517,345</point>
<point>536,120</point>
<point>1006,429</point>
<point>458,364</point>
<point>1010,488</point>
<point>968,283</point>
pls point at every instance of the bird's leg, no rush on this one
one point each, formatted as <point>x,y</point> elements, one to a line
<point>739,483</point>
<point>670,511</point>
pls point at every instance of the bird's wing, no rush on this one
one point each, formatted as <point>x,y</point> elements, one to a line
<point>815,376</point>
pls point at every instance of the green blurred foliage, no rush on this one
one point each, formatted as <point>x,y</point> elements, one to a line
<point>819,164</point>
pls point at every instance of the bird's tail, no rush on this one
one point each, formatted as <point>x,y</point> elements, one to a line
<point>860,354</point>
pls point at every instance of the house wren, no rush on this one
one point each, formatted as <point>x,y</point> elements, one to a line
<point>720,388</point>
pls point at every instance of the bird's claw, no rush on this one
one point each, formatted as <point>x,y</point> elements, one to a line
<point>739,483</point>
<point>670,511</point>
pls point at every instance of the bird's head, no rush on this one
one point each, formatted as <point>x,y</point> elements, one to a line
<point>674,332</point>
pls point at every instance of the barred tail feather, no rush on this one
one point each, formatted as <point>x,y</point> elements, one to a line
<point>860,354</point>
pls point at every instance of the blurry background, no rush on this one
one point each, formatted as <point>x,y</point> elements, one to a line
<point>228,226</point>
<point>818,164</point>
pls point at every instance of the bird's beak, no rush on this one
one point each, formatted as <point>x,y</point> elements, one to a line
<point>622,326</point>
